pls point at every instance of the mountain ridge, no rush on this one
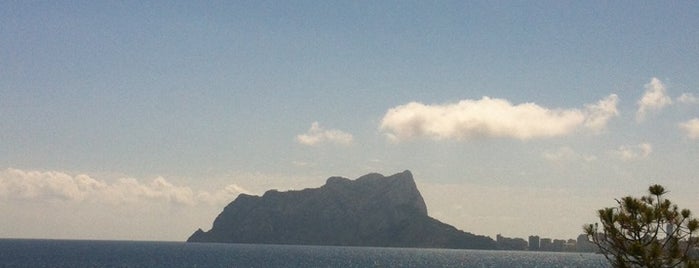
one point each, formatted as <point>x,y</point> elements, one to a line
<point>372,210</point>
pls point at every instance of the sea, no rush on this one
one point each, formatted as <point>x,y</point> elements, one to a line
<point>84,253</point>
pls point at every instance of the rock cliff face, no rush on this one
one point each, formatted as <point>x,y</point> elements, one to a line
<point>372,210</point>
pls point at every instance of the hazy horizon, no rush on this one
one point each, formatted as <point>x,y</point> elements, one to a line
<point>141,121</point>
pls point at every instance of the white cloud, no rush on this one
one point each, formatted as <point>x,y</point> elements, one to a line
<point>47,185</point>
<point>317,135</point>
<point>691,127</point>
<point>654,99</point>
<point>630,153</point>
<point>599,114</point>
<point>688,98</point>
<point>53,185</point>
<point>492,118</point>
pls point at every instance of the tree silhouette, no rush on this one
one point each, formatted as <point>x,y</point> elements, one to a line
<point>645,232</point>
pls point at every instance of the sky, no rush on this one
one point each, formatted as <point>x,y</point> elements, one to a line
<point>139,120</point>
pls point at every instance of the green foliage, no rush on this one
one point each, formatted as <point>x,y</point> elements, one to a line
<point>646,232</point>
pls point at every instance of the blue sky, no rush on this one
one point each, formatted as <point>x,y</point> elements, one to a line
<point>505,112</point>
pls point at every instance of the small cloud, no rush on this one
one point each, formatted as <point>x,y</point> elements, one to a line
<point>654,99</point>
<point>688,98</point>
<point>630,153</point>
<point>471,119</point>
<point>691,128</point>
<point>317,135</point>
<point>599,114</point>
<point>491,118</point>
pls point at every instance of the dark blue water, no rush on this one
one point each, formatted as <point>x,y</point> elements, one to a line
<point>73,253</point>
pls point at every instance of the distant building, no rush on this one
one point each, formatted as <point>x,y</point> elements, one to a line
<point>506,243</point>
<point>583,244</point>
<point>558,245</point>
<point>570,245</point>
<point>534,243</point>
<point>545,244</point>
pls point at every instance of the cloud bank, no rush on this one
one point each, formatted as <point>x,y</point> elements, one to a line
<point>492,118</point>
<point>691,128</point>
<point>59,186</point>
<point>317,135</point>
<point>653,100</point>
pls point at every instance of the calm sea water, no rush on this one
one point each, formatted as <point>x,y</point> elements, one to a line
<point>74,253</point>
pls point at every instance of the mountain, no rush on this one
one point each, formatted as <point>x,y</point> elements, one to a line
<point>372,210</point>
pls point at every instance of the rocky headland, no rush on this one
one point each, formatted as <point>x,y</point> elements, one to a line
<point>373,210</point>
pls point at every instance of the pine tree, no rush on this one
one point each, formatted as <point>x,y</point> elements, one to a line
<point>649,231</point>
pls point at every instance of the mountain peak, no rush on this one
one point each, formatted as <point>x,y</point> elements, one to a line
<point>373,210</point>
